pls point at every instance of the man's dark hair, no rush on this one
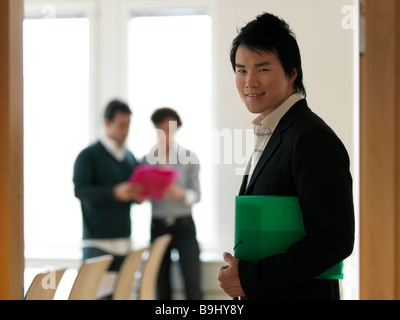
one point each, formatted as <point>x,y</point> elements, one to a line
<point>271,34</point>
<point>115,106</point>
<point>161,114</point>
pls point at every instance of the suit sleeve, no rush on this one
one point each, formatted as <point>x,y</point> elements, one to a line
<point>320,170</point>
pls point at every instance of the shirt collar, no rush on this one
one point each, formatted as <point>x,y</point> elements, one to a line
<point>271,121</point>
<point>117,151</point>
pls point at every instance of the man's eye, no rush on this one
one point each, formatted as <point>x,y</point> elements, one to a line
<point>263,70</point>
<point>241,71</point>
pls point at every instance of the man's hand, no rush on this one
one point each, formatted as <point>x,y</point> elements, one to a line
<point>137,189</point>
<point>174,192</point>
<point>126,192</point>
<point>228,277</point>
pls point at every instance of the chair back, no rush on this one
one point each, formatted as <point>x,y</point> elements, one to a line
<point>148,283</point>
<point>126,276</point>
<point>44,286</point>
<point>89,276</point>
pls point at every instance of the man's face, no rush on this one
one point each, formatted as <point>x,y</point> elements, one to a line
<point>166,130</point>
<point>261,80</point>
<point>118,128</point>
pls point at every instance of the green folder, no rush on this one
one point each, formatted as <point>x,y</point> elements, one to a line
<point>268,225</point>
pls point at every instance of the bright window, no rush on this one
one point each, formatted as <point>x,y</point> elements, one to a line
<point>170,65</point>
<point>56,128</point>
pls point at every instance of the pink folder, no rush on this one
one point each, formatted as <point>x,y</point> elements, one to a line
<point>154,179</point>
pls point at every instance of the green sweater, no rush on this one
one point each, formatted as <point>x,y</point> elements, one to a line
<point>96,172</point>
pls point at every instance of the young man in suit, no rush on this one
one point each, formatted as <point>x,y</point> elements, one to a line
<point>296,154</point>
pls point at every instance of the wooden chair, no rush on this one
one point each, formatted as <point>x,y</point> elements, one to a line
<point>39,290</point>
<point>148,283</point>
<point>126,277</point>
<point>89,277</point>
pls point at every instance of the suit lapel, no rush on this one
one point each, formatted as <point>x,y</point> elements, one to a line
<point>245,178</point>
<point>274,142</point>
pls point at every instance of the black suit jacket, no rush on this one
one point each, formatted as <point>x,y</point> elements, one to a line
<point>303,158</point>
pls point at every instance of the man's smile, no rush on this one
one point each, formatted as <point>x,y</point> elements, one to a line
<point>254,94</point>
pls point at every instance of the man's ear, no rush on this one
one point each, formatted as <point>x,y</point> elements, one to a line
<point>294,74</point>
<point>107,123</point>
